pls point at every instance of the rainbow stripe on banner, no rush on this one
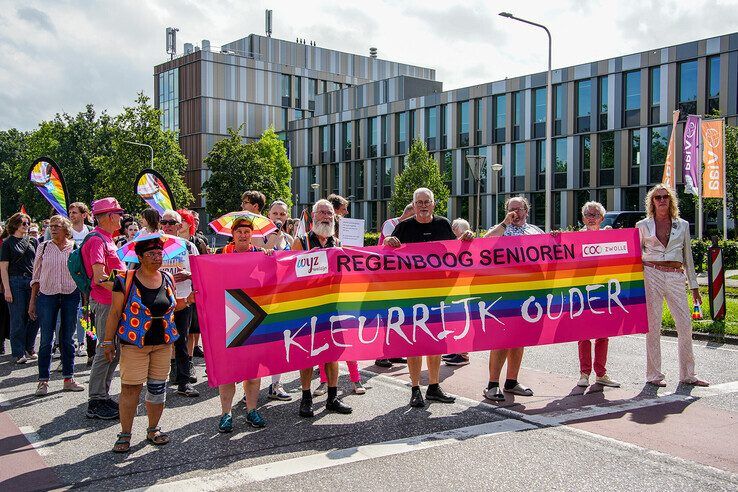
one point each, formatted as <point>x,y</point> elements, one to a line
<point>46,176</point>
<point>154,190</point>
<point>265,315</point>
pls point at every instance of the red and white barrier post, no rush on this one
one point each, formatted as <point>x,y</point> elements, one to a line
<point>716,281</point>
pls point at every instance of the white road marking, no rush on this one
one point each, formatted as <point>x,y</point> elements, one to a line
<point>701,343</point>
<point>319,461</point>
<point>35,440</point>
<point>4,401</point>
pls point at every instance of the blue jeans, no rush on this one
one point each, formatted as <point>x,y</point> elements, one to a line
<point>23,330</point>
<point>48,309</point>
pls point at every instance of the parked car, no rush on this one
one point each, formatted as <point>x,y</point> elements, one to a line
<point>622,219</point>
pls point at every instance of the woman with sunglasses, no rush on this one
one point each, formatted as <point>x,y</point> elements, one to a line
<point>668,264</point>
<point>17,254</point>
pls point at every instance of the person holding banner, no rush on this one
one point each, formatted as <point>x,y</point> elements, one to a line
<point>424,227</point>
<point>321,236</point>
<point>667,257</point>
<point>241,231</point>
<point>593,213</point>
<point>515,224</point>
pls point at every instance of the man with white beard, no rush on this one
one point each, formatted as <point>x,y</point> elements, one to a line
<point>324,227</point>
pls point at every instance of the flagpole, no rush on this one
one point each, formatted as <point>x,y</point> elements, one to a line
<point>725,189</point>
<point>699,185</point>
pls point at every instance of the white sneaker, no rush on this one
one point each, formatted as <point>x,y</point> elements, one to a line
<point>583,381</point>
<point>321,390</point>
<point>80,351</point>
<point>606,381</point>
<point>33,356</point>
<point>21,360</point>
<point>359,388</point>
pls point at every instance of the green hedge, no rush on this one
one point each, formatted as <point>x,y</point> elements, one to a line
<point>371,238</point>
<point>699,253</point>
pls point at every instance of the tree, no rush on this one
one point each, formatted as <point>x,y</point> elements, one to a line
<point>116,170</point>
<point>421,171</point>
<point>12,151</point>
<point>236,167</point>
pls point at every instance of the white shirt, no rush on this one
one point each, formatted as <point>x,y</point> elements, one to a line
<point>78,237</point>
<point>678,248</point>
<point>180,262</point>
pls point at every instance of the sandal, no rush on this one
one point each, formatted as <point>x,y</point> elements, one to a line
<point>123,444</point>
<point>159,438</point>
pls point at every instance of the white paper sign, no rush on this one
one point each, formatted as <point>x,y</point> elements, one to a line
<point>351,232</point>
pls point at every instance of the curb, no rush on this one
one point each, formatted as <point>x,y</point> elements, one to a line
<point>708,337</point>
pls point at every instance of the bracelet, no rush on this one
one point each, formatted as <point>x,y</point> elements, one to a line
<point>504,226</point>
<point>105,343</point>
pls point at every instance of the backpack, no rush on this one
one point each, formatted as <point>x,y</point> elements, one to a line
<point>77,267</point>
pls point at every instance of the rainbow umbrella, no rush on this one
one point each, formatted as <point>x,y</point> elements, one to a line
<point>173,246</point>
<point>262,225</point>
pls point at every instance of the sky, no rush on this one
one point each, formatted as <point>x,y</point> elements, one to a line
<point>57,56</point>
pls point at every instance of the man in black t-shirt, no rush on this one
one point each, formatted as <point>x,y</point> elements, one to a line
<point>422,228</point>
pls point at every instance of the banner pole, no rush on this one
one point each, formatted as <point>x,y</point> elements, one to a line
<point>725,188</point>
<point>699,185</point>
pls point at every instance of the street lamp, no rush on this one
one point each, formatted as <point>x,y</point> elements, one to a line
<point>315,187</point>
<point>496,168</point>
<point>476,164</point>
<point>143,145</point>
<point>549,118</point>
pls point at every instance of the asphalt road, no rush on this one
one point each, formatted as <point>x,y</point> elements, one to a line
<point>564,437</point>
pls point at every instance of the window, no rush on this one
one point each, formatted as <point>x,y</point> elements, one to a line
<point>500,118</point>
<point>607,159</point>
<point>655,95</point>
<point>357,140</point>
<point>501,158</point>
<point>687,88</point>
<point>414,127</point>
<point>445,123</point>
<point>541,164</point>
<point>286,90</point>
<point>539,116</point>
<point>463,108</point>
<point>431,127</point>
<point>585,150</point>
<point>584,105</point>
<point>310,145</point>
<point>335,178</point>
<point>632,96</point>
<point>713,84</point>
<point>346,134</point>
<point>387,178</point>
<point>518,166</point>
<point>312,92</point>
<point>332,137</point>
<point>373,136</point>
<point>401,131</point>
<point>478,122</point>
<point>325,146</point>
<point>658,145</point>
<point>558,108</point>
<point>517,114</point>
<point>635,156</point>
<point>560,164</point>
<point>358,177</point>
<point>169,99</point>
<point>298,91</point>
<point>447,166</point>
<point>385,134</point>
<point>602,97</point>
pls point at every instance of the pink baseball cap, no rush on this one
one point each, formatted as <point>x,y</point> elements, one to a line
<point>106,205</point>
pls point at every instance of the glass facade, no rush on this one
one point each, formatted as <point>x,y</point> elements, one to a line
<point>584,105</point>
<point>169,99</point>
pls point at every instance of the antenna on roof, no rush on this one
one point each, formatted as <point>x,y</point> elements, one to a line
<point>268,22</point>
<point>172,42</point>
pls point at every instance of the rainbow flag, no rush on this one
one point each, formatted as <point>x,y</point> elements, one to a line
<point>265,315</point>
<point>154,190</point>
<point>46,176</point>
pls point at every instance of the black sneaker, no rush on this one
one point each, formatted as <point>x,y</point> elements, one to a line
<point>457,360</point>
<point>383,363</point>
<point>97,409</point>
<point>448,356</point>
<point>338,406</point>
<point>197,352</point>
<point>193,377</point>
<point>398,360</point>
<point>110,403</point>
<point>187,390</point>
<point>306,408</point>
<point>416,400</point>
<point>439,395</point>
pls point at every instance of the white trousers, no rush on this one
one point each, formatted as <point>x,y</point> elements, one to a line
<point>670,286</point>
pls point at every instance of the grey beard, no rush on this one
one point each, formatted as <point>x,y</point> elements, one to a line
<point>324,230</point>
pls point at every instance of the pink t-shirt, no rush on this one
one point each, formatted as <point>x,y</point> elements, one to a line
<point>95,251</point>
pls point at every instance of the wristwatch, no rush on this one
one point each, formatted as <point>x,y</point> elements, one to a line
<point>504,226</point>
<point>105,343</point>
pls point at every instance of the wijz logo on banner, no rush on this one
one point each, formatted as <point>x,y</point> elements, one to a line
<point>311,264</point>
<point>605,249</point>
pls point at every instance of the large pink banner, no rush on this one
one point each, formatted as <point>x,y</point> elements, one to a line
<point>263,315</point>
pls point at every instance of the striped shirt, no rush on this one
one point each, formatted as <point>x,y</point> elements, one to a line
<point>50,269</point>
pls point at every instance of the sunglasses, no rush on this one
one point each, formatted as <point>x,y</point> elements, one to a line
<point>661,197</point>
<point>25,224</point>
<point>154,253</point>
<point>168,222</point>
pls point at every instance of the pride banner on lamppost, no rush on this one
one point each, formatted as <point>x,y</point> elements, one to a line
<point>669,175</point>
<point>713,184</point>
<point>263,315</point>
<point>691,167</point>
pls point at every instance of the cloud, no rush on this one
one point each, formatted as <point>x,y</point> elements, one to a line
<point>460,23</point>
<point>37,18</point>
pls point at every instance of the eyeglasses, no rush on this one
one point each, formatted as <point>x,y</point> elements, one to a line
<point>592,216</point>
<point>661,197</point>
<point>517,209</point>
<point>25,224</point>
<point>424,203</point>
<point>168,222</point>
<point>154,253</point>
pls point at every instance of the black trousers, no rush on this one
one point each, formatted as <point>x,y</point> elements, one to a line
<point>182,320</point>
